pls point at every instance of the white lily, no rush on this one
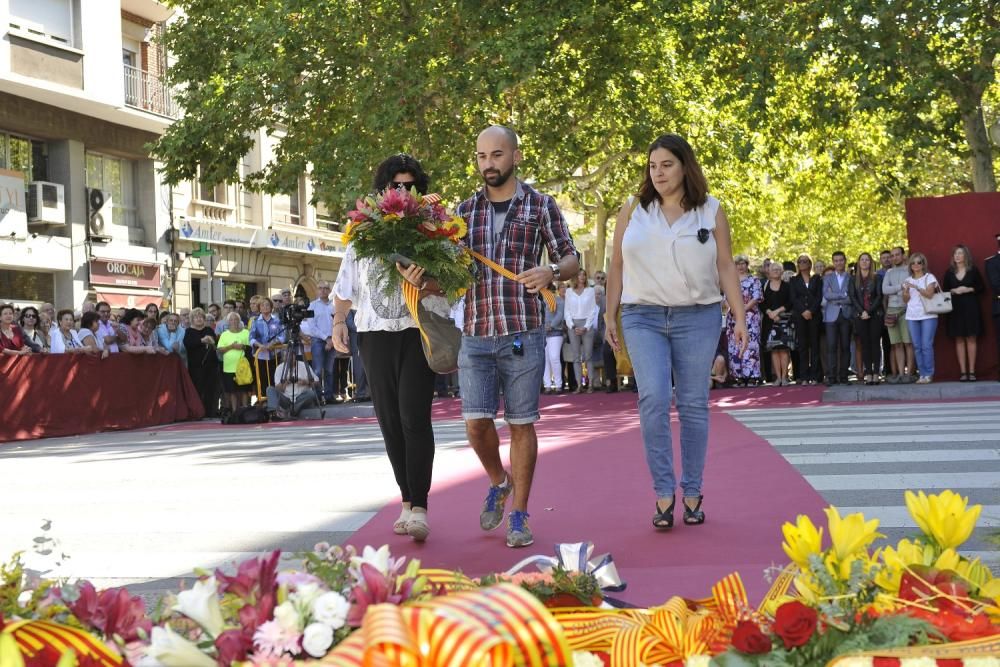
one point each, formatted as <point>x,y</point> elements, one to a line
<point>172,650</point>
<point>377,558</point>
<point>201,605</point>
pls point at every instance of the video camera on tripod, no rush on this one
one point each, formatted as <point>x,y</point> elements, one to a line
<point>292,316</point>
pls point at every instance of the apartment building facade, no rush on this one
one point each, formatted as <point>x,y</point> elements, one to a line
<point>84,214</point>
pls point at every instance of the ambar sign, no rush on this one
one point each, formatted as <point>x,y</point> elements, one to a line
<point>124,274</point>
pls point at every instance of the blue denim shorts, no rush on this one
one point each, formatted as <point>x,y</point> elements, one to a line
<point>487,365</point>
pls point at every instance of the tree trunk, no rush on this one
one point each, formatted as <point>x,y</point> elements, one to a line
<point>601,232</point>
<point>981,158</point>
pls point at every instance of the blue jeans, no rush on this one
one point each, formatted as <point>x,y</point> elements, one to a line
<point>682,341</point>
<point>322,365</point>
<point>922,333</point>
<point>487,364</point>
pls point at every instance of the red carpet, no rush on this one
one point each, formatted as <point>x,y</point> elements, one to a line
<point>591,484</point>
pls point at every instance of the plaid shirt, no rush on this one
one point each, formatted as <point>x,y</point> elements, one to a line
<point>496,306</point>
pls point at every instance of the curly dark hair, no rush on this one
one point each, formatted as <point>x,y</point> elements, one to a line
<point>400,163</point>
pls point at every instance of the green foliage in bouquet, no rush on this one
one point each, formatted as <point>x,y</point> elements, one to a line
<point>403,222</point>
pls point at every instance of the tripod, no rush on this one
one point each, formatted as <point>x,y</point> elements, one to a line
<point>294,352</point>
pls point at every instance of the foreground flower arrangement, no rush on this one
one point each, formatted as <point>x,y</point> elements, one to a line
<point>918,603</point>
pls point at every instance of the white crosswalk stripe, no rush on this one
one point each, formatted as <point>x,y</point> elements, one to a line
<point>862,457</point>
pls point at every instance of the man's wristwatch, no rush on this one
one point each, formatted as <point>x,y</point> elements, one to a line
<point>555,271</point>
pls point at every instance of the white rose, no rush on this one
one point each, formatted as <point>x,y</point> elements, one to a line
<point>586,659</point>
<point>698,661</point>
<point>305,594</point>
<point>172,650</point>
<point>331,609</point>
<point>201,605</point>
<point>287,616</point>
<point>981,662</point>
<point>317,639</point>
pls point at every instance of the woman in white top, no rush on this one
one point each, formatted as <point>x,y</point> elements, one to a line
<point>64,339</point>
<point>921,324</point>
<point>672,260</point>
<point>580,311</point>
<point>400,382</point>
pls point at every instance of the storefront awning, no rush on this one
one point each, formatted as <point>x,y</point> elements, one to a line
<point>123,298</point>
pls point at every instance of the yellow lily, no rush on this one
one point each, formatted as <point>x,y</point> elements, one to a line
<point>945,517</point>
<point>850,534</point>
<point>802,540</point>
<point>978,575</point>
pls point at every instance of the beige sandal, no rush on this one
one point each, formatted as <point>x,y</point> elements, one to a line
<point>417,527</point>
<point>399,527</point>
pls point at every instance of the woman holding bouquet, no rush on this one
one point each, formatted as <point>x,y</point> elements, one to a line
<point>400,382</point>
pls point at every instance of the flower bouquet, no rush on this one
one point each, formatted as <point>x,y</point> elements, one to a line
<point>417,227</point>
<point>850,601</point>
<point>558,587</point>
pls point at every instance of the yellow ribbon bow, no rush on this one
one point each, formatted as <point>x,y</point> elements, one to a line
<point>673,631</point>
<point>502,625</point>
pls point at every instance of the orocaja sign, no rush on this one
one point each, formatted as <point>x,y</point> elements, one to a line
<point>124,274</point>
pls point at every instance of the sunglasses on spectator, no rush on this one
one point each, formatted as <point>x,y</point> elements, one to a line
<point>31,315</point>
<point>917,261</point>
<point>403,184</point>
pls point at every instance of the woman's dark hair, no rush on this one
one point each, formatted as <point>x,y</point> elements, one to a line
<point>400,163</point>
<point>695,185</point>
<point>24,311</point>
<point>131,314</point>
<point>7,306</point>
<point>88,319</point>
<point>65,311</point>
<point>858,269</point>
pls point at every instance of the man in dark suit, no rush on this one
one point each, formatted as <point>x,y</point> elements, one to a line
<point>993,276</point>
<point>837,315</point>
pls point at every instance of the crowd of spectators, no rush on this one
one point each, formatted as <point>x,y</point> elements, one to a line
<point>840,322</point>
<point>209,341</point>
<point>808,323</point>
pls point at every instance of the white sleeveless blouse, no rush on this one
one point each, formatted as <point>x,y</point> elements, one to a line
<point>669,266</point>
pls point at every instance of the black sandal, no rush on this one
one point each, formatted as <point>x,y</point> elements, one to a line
<point>693,516</point>
<point>664,520</point>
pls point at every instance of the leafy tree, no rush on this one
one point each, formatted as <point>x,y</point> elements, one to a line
<point>928,64</point>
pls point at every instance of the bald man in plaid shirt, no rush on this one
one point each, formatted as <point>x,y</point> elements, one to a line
<point>504,342</point>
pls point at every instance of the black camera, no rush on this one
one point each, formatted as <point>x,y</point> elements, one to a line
<point>293,314</point>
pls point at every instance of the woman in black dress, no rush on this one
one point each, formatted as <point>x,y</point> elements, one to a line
<point>203,362</point>
<point>776,323</point>
<point>965,323</point>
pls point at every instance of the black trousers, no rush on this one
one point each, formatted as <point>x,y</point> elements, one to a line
<point>807,340</point>
<point>886,350</point>
<point>838,348</point>
<point>401,385</point>
<point>870,334</point>
<point>610,365</point>
<point>206,380</point>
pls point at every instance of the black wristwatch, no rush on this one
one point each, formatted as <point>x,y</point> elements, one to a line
<point>555,271</point>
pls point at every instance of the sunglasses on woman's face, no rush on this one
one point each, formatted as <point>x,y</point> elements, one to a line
<point>403,184</point>
<point>917,261</point>
<point>30,315</point>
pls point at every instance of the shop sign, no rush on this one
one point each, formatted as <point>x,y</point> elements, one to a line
<point>284,240</point>
<point>124,274</point>
<point>199,231</point>
<point>13,205</point>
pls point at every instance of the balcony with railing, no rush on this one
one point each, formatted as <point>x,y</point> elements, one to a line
<point>148,92</point>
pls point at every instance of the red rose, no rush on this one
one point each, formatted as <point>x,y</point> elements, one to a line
<point>795,623</point>
<point>747,638</point>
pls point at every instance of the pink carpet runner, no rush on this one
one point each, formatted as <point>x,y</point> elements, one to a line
<point>592,484</point>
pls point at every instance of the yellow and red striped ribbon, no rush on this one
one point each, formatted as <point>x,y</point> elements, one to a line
<point>31,638</point>
<point>499,625</point>
<point>673,631</point>
<point>546,294</point>
<point>983,647</point>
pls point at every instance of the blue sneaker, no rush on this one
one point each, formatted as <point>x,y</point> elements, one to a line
<point>518,533</point>
<point>493,507</point>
